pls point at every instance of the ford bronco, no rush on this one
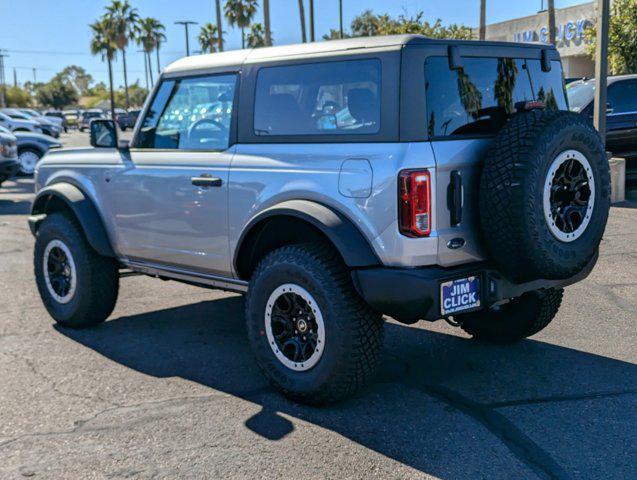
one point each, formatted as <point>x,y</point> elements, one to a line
<point>334,183</point>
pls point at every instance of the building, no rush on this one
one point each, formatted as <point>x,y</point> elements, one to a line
<point>570,24</point>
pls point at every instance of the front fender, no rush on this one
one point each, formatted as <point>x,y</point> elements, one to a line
<point>48,199</point>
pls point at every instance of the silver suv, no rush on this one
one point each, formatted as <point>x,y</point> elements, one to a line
<point>333,183</point>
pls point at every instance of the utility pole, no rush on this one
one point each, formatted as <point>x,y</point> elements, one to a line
<point>340,17</point>
<point>601,67</point>
<point>35,80</point>
<point>3,90</point>
<point>185,23</point>
<point>483,20</point>
<point>15,78</point>
<point>311,20</point>
<point>551,7</point>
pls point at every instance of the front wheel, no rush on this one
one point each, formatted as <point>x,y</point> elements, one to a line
<point>519,318</point>
<point>314,338</point>
<point>28,159</point>
<point>77,285</point>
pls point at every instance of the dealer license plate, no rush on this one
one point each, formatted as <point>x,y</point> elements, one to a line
<point>459,295</point>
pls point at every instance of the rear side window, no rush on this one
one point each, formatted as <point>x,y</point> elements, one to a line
<point>328,98</point>
<point>622,96</point>
<point>478,98</point>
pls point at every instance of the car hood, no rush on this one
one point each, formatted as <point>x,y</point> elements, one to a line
<point>37,137</point>
<point>7,137</point>
<point>24,123</point>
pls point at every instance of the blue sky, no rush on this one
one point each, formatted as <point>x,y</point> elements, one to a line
<point>51,34</point>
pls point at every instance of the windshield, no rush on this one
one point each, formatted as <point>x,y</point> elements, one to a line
<point>580,94</point>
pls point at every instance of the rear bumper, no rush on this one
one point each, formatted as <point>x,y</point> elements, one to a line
<point>413,294</point>
<point>8,168</point>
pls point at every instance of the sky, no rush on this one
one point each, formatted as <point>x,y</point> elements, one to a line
<point>48,35</point>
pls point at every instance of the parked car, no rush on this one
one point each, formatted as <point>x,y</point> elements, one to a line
<point>8,155</point>
<point>31,148</point>
<point>398,175</point>
<point>57,114</point>
<point>19,124</point>
<point>48,127</point>
<point>72,118</point>
<point>621,116</point>
<point>87,116</point>
<point>124,119</point>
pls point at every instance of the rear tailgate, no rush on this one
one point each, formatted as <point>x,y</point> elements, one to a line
<point>458,164</point>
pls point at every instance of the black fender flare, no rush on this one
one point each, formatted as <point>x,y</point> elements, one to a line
<point>83,209</point>
<point>346,237</point>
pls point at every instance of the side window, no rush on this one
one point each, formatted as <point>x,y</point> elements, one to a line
<point>327,98</point>
<point>190,114</point>
<point>478,98</point>
<point>622,96</point>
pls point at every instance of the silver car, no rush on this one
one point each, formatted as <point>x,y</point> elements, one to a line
<point>19,124</point>
<point>333,183</point>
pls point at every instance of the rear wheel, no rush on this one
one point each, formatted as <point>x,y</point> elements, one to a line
<point>313,337</point>
<point>78,287</point>
<point>520,318</point>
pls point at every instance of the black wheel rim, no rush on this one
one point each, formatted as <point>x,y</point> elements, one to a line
<point>570,193</point>
<point>59,271</point>
<point>294,327</point>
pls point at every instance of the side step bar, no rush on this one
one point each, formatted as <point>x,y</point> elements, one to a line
<point>203,279</point>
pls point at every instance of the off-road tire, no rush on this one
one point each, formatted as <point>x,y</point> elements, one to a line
<point>520,318</point>
<point>353,331</point>
<point>97,283</point>
<point>516,233</point>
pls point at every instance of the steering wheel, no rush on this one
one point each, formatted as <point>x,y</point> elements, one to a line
<point>196,134</point>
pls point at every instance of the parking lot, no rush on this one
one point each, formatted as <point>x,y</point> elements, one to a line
<point>167,387</point>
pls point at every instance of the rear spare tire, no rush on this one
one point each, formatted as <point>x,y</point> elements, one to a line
<point>544,195</point>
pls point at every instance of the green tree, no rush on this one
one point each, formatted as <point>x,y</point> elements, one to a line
<point>622,40</point>
<point>208,38</point>
<point>124,20</point>
<point>137,94</point>
<point>78,77</point>
<point>240,13</point>
<point>17,97</point>
<point>103,44</point>
<point>56,94</point>
<point>370,24</point>
<point>256,36</point>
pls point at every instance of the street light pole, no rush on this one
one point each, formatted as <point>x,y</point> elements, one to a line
<point>601,67</point>
<point>311,20</point>
<point>185,23</point>
<point>2,85</point>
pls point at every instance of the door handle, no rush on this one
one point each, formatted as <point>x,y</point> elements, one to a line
<point>205,180</point>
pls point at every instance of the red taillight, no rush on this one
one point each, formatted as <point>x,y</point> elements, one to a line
<point>414,203</point>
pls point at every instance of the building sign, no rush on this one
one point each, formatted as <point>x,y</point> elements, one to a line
<point>572,31</point>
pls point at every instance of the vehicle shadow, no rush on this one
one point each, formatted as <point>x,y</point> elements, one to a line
<point>13,205</point>
<point>445,405</point>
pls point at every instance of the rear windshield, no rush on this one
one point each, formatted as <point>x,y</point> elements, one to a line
<point>580,94</point>
<point>478,98</point>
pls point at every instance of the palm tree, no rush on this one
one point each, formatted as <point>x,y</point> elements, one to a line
<point>208,38</point>
<point>103,43</point>
<point>551,11</point>
<point>124,19</point>
<point>483,19</point>
<point>219,24</point>
<point>149,35</point>
<point>302,15</point>
<point>256,36</point>
<point>266,22</point>
<point>240,13</point>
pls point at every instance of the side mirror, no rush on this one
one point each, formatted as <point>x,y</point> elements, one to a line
<point>103,133</point>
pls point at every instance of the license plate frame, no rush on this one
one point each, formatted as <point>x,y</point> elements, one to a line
<point>463,295</point>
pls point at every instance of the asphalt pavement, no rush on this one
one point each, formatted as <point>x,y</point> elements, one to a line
<point>167,387</point>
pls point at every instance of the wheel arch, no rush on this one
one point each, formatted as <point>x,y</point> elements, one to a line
<point>299,221</point>
<point>67,197</point>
